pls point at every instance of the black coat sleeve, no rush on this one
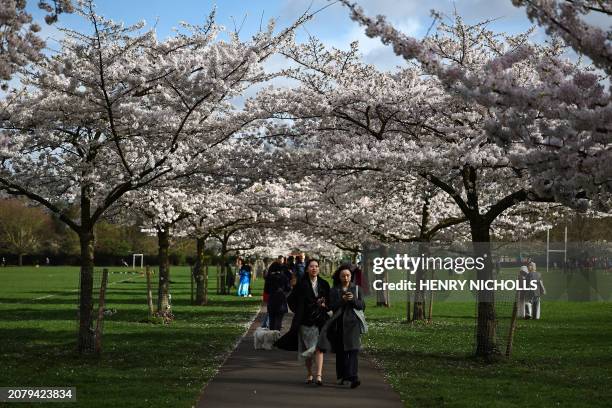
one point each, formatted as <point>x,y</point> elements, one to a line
<point>335,299</point>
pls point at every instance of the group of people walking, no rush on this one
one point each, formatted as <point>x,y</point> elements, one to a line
<point>326,319</point>
<point>243,278</point>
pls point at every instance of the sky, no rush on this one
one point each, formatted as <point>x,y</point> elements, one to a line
<point>332,24</point>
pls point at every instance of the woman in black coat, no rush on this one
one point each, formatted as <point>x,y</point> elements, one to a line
<point>276,286</point>
<point>310,299</point>
<point>342,333</point>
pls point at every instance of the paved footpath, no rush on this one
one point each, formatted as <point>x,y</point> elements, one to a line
<point>275,379</point>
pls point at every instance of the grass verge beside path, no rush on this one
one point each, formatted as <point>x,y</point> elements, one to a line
<point>142,365</point>
<point>563,360</point>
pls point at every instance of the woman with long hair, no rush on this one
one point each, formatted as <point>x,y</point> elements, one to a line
<point>311,295</point>
<point>342,333</point>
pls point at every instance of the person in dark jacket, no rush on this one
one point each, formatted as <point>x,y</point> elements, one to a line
<point>299,267</point>
<point>341,334</point>
<point>276,286</point>
<point>230,275</point>
<point>312,300</point>
<point>280,265</point>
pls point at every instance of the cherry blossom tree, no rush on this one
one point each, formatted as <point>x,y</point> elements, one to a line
<point>353,118</point>
<point>162,208</point>
<point>116,110</point>
<point>284,241</point>
<point>567,20</point>
<point>370,208</point>
<point>19,42</point>
<point>551,116</point>
<point>237,209</point>
<point>561,115</point>
<point>233,219</point>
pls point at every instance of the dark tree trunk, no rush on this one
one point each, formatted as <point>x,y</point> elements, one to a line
<point>85,336</point>
<point>163,301</point>
<point>408,318</point>
<point>418,312</point>
<point>198,272</point>
<point>481,241</point>
<point>227,280</point>
<point>485,331</point>
<point>423,248</point>
<point>382,296</point>
<point>20,260</point>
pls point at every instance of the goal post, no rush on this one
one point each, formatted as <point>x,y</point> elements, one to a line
<point>134,257</point>
<point>548,250</point>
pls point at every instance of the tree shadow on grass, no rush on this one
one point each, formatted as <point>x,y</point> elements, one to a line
<point>124,315</point>
<point>38,347</point>
<point>38,314</point>
<point>69,302</point>
<point>236,302</point>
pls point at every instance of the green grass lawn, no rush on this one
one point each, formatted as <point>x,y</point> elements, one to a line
<point>142,364</point>
<point>563,360</point>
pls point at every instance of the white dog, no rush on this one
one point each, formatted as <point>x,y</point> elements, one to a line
<point>264,338</point>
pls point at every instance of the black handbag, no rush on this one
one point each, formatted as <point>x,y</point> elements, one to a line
<point>318,315</point>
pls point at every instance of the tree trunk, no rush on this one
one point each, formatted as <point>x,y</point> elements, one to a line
<point>227,282</point>
<point>419,295</point>
<point>485,331</point>
<point>100,320</point>
<point>418,312</point>
<point>163,240</point>
<point>198,272</point>
<point>408,319</point>
<point>149,294</point>
<point>206,283</point>
<point>20,260</point>
<point>431,298</point>
<point>85,336</point>
<point>382,296</point>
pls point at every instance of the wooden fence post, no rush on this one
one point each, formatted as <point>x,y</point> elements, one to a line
<point>431,298</point>
<point>512,326</point>
<point>101,301</point>
<point>206,283</point>
<point>191,281</point>
<point>218,280</point>
<point>149,294</point>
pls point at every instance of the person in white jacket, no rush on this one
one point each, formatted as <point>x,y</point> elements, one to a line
<point>534,304</point>
<point>522,294</point>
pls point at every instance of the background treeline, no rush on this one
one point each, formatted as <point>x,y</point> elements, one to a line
<point>29,235</point>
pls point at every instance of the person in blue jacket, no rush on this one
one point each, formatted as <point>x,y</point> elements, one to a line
<point>244,282</point>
